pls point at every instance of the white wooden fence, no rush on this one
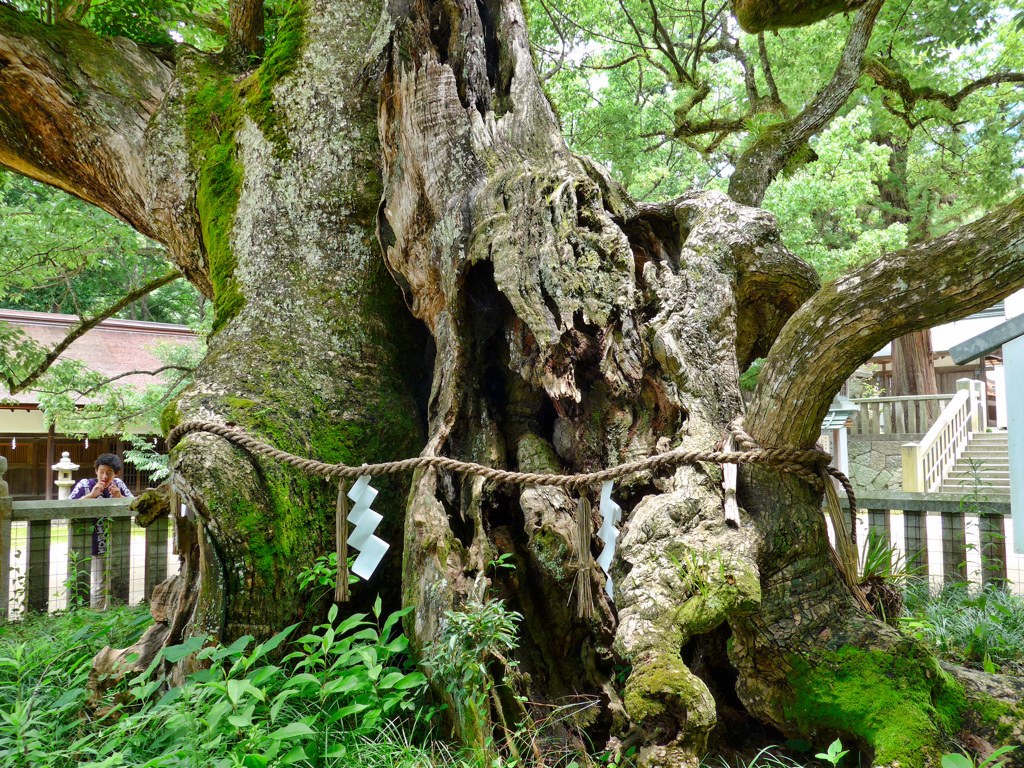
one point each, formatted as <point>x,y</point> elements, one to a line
<point>909,415</point>
<point>927,463</point>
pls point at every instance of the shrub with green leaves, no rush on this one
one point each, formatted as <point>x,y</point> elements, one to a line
<point>44,667</point>
<point>345,681</point>
<point>331,697</point>
<point>979,627</point>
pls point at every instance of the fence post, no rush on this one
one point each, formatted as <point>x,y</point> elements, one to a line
<point>5,544</point>
<point>916,531</point>
<point>968,384</point>
<point>913,468</point>
<point>993,550</point>
<point>98,593</point>
<point>37,571</point>
<point>156,554</point>
<point>982,390</point>
<point>954,547</point>
<point>79,560</point>
<point>119,544</point>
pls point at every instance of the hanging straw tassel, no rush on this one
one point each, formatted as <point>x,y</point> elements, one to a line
<point>341,544</point>
<point>584,584</point>
<point>845,551</point>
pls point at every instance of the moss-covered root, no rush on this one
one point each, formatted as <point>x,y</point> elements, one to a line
<point>688,573</point>
<point>896,704</point>
<point>661,693</point>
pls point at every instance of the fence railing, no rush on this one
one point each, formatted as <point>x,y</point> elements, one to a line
<point>910,415</point>
<point>952,551</point>
<point>926,464</point>
<point>93,580</point>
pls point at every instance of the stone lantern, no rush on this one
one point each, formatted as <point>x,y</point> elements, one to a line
<point>841,409</point>
<point>64,482</point>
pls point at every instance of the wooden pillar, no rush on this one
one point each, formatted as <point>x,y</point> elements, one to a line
<point>993,550</point>
<point>156,554</point>
<point>50,461</point>
<point>119,559</point>
<point>35,462</point>
<point>916,533</point>
<point>954,547</point>
<point>37,576</point>
<point>79,561</point>
<point>5,546</point>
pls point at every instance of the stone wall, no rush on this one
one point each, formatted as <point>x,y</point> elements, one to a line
<point>876,461</point>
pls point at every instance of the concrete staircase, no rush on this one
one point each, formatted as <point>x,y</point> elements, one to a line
<point>989,451</point>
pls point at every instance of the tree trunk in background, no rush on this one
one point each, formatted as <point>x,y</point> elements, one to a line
<point>913,369</point>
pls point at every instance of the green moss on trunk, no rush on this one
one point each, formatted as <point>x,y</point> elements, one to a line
<point>898,702</point>
<point>214,110</point>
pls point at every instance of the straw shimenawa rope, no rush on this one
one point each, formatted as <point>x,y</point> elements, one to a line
<point>805,464</point>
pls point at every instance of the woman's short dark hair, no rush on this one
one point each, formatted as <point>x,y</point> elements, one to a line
<point>111,460</point>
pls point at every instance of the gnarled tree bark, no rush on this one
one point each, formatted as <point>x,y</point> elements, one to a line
<point>573,329</point>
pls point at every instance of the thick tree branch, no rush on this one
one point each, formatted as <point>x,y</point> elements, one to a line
<point>758,15</point>
<point>246,35</point>
<point>73,111</point>
<point>769,78</point>
<point>687,129</point>
<point>899,84</point>
<point>79,330</point>
<point>758,167</point>
<point>850,319</point>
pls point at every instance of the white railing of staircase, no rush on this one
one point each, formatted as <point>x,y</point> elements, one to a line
<point>926,464</point>
<point>906,415</point>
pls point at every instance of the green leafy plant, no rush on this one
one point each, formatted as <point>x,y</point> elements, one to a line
<point>969,626</point>
<point>342,691</point>
<point>501,563</point>
<point>482,634</point>
<point>881,560</point>
<point>833,754</point>
<point>44,667</point>
<point>324,573</point>
<point>958,760</point>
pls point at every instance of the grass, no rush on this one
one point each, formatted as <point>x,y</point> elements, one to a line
<point>342,696</point>
<point>982,628</point>
<point>44,667</point>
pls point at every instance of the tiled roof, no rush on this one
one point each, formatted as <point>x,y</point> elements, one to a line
<point>111,348</point>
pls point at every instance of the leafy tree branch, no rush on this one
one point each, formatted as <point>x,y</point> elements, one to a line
<point>889,78</point>
<point>16,384</point>
<point>759,165</point>
<point>849,319</point>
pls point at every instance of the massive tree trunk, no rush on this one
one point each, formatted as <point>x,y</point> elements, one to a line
<point>574,329</point>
